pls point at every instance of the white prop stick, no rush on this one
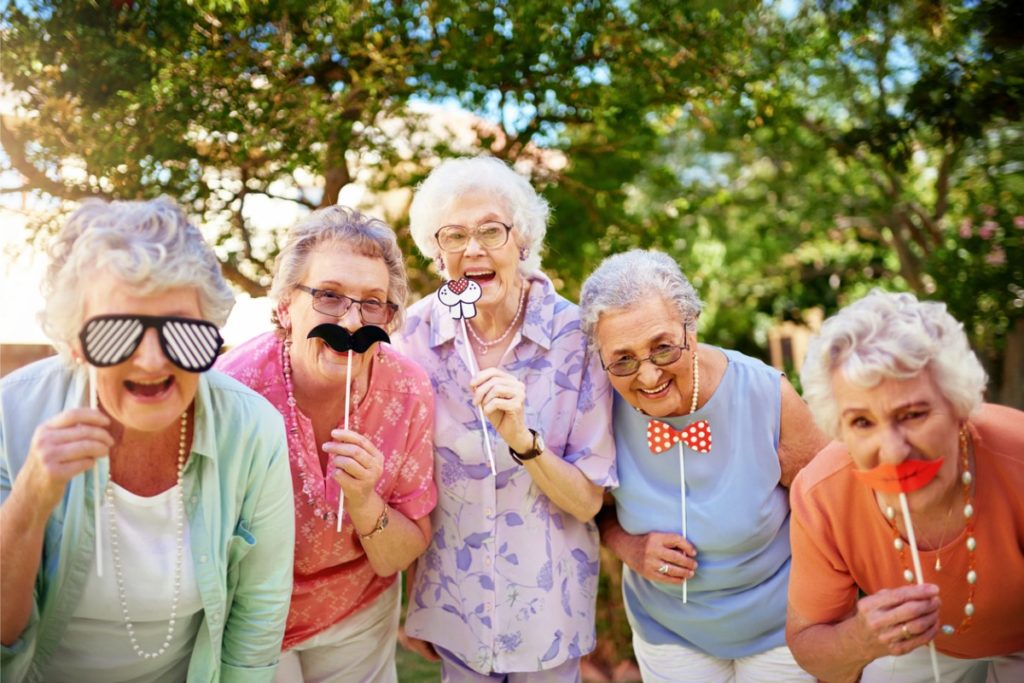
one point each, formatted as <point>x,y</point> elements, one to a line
<point>94,403</point>
<point>682,498</point>
<point>917,571</point>
<point>471,362</point>
<point>348,394</point>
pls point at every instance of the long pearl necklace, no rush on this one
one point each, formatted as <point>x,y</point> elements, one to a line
<point>971,577</point>
<point>486,346</point>
<point>179,535</point>
<point>696,382</point>
<point>309,487</point>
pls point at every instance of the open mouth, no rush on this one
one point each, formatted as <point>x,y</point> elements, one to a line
<point>480,276</point>
<point>656,391</point>
<point>144,389</point>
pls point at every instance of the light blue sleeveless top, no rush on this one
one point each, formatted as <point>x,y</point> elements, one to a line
<point>737,516</point>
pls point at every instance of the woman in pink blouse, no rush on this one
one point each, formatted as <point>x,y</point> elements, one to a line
<point>339,267</point>
<point>507,587</point>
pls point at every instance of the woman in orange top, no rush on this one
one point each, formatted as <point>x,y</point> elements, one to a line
<point>895,380</point>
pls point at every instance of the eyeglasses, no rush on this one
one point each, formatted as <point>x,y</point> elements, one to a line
<point>665,354</point>
<point>190,344</point>
<point>371,311</point>
<point>490,235</point>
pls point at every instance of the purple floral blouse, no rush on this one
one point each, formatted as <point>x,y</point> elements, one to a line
<point>509,580</point>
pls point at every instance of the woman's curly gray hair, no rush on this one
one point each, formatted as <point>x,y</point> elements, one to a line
<point>360,233</point>
<point>624,280</point>
<point>891,336</point>
<point>149,245</point>
<point>456,178</point>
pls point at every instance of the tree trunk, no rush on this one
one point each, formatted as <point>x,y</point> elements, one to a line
<point>1012,390</point>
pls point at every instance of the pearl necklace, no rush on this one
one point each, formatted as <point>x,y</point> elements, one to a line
<point>309,486</point>
<point>486,346</point>
<point>971,576</point>
<point>179,536</point>
<point>696,382</point>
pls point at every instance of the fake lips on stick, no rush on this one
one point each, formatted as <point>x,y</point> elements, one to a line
<point>341,340</point>
<point>909,475</point>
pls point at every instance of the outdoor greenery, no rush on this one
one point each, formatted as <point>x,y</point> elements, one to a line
<point>791,155</point>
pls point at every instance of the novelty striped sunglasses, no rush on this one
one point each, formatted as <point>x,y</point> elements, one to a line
<point>190,344</point>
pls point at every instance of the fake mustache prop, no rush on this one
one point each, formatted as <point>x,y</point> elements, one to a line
<point>341,340</point>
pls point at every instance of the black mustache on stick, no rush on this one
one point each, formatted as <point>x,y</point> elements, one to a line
<point>341,340</point>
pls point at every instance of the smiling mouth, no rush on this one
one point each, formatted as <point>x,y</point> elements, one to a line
<point>656,390</point>
<point>479,276</point>
<point>148,389</point>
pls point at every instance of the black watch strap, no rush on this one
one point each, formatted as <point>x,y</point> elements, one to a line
<point>536,449</point>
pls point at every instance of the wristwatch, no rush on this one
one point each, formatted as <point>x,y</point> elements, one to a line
<point>537,449</point>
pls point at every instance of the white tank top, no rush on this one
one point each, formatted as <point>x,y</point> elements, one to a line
<point>95,646</point>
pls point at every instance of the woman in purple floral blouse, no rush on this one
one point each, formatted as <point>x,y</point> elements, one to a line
<point>507,587</point>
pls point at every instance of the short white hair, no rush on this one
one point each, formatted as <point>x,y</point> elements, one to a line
<point>891,336</point>
<point>150,245</point>
<point>362,234</point>
<point>624,280</point>
<point>455,178</point>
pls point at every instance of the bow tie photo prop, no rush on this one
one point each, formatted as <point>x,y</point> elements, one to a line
<point>341,340</point>
<point>904,478</point>
<point>460,296</point>
<point>662,436</point>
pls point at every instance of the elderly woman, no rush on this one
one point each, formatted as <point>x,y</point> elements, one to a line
<point>746,435</point>
<point>895,381</point>
<point>506,590</point>
<point>341,268</point>
<point>196,507</point>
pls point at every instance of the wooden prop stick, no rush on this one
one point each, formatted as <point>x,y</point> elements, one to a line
<point>682,497</point>
<point>348,397</point>
<point>471,362</point>
<point>917,571</point>
<point>94,403</point>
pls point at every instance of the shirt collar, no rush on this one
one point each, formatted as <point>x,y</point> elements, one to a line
<point>542,304</point>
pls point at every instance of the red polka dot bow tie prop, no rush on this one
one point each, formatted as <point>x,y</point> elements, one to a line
<point>662,436</point>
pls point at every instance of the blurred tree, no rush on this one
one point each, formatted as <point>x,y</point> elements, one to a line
<point>862,144</point>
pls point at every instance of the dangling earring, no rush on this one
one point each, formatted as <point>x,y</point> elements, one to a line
<point>439,263</point>
<point>524,253</point>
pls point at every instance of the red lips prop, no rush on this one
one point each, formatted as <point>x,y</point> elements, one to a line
<point>909,475</point>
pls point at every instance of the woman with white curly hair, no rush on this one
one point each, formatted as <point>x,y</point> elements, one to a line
<point>194,568</point>
<point>506,589</point>
<point>894,379</point>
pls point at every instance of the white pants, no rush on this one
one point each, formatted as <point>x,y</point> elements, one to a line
<point>916,667</point>
<point>358,649</point>
<point>675,663</point>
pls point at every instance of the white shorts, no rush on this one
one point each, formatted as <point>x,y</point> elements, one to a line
<point>674,663</point>
<point>916,667</point>
<point>358,649</point>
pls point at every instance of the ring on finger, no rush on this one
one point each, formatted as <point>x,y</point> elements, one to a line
<point>663,569</point>
<point>906,632</point>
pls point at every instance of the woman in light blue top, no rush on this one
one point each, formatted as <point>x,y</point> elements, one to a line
<point>180,568</point>
<point>707,442</point>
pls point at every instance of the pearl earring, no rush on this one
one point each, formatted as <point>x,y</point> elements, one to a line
<point>524,253</point>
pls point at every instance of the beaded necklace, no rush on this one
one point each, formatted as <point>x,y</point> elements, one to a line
<point>972,576</point>
<point>311,484</point>
<point>486,346</point>
<point>179,534</point>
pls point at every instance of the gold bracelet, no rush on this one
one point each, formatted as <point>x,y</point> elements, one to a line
<point>382,523</point>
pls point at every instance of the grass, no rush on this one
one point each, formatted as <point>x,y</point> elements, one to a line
<point>414,669</point>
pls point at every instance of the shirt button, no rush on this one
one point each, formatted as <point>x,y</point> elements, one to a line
<point>194,499</point>
<point>487,608</point>
<point>487,561</point>
<point>203,559</point>
<point>489,512</point>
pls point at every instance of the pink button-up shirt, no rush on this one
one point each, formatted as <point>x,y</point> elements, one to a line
<point>509,580</point>
<point>333,577</point>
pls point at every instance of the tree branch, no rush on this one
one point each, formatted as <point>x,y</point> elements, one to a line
<point>14,145</point>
